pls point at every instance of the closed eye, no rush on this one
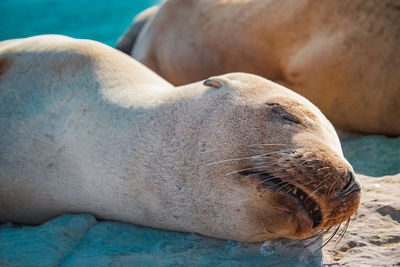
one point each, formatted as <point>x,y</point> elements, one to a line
<point>280,111</point>
<point>290,117</point>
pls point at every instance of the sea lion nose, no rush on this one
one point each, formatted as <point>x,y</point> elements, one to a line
<point>352,184</point>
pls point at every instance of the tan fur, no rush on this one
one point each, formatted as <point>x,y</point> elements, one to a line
<point>127,40</point>
<point>85,128</point>
<point>344,56</point>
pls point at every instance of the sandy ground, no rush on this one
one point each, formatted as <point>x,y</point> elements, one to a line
<point>372,239</point>
<point>374,236</point>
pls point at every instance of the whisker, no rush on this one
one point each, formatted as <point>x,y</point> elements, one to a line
<point>341,235</point>
<point>332,218</point>
<point>318,234</point>
<point>333,184</point>
<point>306,161</point>
<point>278,184</point>
<point>330,238</point>
<point>268,153</point>
<point>264,144</point>
<point>260,156</point>
<point>319,186</point>
<point>245,169</point>
<point>227,160</point>
<point>274,175</point>
<point>284,184</point>
<point>318,237</point>
<point>323,168</point>
<point>244,146</point>
<point>326,176</point>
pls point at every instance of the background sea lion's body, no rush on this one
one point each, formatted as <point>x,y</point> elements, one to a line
<point>344,56</point>
<point>85,128</point>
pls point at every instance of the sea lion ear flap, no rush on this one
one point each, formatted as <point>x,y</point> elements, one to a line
<point>214,82</point>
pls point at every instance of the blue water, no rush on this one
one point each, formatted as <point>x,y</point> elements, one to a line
<point>101,20</point>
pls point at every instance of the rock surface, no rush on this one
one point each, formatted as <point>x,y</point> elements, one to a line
<point>372,239</point>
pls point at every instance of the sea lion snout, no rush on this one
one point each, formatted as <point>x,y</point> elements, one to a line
<point>315,188</point>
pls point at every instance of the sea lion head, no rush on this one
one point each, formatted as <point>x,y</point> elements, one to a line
<point>286,158</point>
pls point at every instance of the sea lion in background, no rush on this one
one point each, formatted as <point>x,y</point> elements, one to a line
<point>344,56</point>
<point>86,128</point>
<point>128,39</point>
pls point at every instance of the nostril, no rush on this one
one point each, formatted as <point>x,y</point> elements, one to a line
<point>350,177</point>
<point>351,184</point>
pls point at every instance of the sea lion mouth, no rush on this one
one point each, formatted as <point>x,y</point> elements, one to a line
<point>307,202</point>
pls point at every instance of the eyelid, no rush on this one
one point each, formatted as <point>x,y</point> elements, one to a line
<point>291,117</point>
<point>282,113</point>
<point>271,105</point>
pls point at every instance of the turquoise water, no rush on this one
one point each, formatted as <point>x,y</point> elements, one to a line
<point>101,20</point>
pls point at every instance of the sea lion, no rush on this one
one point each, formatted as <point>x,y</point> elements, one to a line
<point>86,128</point>
<point>128,39</point>
<point>344,56</point>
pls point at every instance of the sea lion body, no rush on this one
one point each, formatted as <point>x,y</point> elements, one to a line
<point>128,39</point>
<point>344,56</point>
<point>85,128</point>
